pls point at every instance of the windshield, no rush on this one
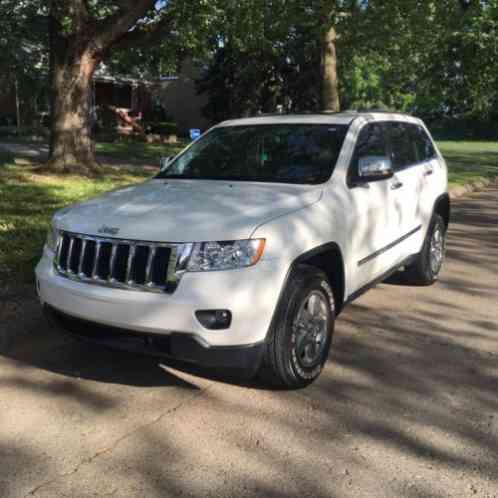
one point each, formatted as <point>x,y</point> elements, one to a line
<point>262,153</point>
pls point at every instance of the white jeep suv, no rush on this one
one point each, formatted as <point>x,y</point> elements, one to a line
<point>245,247</point>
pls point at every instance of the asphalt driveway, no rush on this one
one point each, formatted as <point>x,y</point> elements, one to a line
<point>406,407</point>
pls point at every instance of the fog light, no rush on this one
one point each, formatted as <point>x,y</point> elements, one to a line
<point>214,319</point>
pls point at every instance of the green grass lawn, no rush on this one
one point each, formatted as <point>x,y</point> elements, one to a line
<point>470,160</point>
<point>29,197</point>
<point>137,151</point>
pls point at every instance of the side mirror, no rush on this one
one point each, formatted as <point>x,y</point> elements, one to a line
<point>372,168</point>
<point>164,162</point>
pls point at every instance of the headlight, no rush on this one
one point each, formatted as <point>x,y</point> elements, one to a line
<point>208,256</point>
<point>52,236</point>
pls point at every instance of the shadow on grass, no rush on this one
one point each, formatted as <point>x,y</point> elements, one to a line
<point>27,202</point>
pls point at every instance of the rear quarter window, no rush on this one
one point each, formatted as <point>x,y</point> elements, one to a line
<point>423,144</point>
<point>403,149</point>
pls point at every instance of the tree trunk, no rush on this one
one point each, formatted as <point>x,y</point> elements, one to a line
<point>72,65</point>
<point>71,145</point>
<point>77,43</point>
<point>18,106</point>
<point>330,91</point>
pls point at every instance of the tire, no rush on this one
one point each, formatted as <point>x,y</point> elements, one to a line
<point>426,268</point>
<point>298,344</point>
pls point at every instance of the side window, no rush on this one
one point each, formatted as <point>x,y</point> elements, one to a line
<point>423,144</point>
<point>371,142</point>
<point>403,150</point>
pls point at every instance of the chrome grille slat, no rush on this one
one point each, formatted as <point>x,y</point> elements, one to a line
<point>148,268</point>
<point>96,262</point>
<point>118,256</point>
<point>112,261</point>
<point>70,255</point>
<point>131,257</point>
<point>58,252</point>
<point>82,257</point>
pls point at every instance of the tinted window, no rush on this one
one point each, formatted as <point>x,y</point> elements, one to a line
<point>371,142</point>
<point>423,144</point>
<point>263,153</point>
<point>403,150</point>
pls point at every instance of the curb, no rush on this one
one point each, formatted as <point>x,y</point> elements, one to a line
<point>473,186</point>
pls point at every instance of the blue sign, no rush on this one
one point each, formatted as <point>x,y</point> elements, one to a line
<point>195,133</point>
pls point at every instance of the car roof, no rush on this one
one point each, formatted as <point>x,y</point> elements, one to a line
<point>339,118</point>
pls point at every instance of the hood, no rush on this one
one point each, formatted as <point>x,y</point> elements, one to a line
<point>186,210</point>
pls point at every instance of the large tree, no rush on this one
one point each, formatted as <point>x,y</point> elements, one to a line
<point>81,33</point>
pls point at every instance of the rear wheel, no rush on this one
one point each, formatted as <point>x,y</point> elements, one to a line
<point>299,340</point>
<point>425,270</point>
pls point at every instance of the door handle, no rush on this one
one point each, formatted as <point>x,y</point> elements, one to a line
<point>396,185</point>
<point>428,172</point>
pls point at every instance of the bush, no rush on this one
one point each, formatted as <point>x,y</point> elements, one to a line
<point>161,128</point>
<point>464,128</point>
<point>8,120</point>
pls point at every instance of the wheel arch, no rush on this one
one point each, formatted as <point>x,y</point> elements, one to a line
<point>328,258</point>
<point>442,206</point>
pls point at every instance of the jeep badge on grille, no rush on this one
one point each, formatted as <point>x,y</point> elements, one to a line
<point>108,230</point>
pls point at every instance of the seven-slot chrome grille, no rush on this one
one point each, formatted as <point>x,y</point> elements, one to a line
<point>126,264</point>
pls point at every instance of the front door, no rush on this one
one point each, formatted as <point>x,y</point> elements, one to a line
<point>373,207</point>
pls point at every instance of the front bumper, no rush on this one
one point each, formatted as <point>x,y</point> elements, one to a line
<point>182,347</point>
<point>251,294</point>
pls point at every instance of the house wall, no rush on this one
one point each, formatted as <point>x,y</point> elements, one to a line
<point>8,102</point>
<point>179,98</point>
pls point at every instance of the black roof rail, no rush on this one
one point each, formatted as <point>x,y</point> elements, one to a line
<point>300,113</point>
<point>382,111</point>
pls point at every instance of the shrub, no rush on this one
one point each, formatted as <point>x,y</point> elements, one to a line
<point>161,128</point>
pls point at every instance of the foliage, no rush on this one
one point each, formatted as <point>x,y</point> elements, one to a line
<point>24,55</point>
<point>432,58</point>
<point>161,128</point>
<point>435,58</point>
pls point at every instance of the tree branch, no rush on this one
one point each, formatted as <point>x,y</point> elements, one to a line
<point>117,26</point>
<point>72,16</point>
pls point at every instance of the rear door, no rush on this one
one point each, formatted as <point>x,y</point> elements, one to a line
<point>407,187</point>
<point>431,171</point>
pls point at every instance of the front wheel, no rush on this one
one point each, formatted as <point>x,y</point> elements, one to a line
<point>425,270</point>
<point>299,340</point>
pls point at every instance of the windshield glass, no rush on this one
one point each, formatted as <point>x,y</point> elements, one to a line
<point>262,153</point>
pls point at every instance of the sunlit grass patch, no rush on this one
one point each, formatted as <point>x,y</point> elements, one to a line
<point>468,161</point>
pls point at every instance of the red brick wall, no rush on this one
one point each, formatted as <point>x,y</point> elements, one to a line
<point>8,103</point>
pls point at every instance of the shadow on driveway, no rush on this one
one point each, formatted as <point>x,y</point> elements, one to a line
<point>407,405</point>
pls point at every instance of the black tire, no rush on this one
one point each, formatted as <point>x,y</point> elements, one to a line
<point>295,355</point>
<point>425,271</point>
